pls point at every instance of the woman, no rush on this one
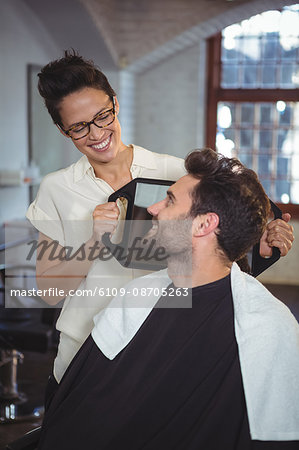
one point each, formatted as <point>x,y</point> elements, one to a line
<point>85,109</point>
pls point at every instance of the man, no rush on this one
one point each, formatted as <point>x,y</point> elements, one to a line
<point>222,374</point>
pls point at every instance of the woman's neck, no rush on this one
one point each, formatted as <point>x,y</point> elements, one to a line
<point>117,172</point>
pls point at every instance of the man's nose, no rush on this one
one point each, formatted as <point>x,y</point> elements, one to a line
<point>155,208</point>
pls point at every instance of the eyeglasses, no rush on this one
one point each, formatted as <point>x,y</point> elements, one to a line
<point>101,120</point>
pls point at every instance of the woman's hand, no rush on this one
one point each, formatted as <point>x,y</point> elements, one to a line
<point>277,234</point>
<point>105,219</point>
<point>63,274</point>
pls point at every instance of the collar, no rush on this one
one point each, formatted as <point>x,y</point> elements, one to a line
<point>141,158</point>
<point>81,167</point>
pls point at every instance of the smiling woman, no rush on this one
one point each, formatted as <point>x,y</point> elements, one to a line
<point>71,206</point>
<point>89,118</point>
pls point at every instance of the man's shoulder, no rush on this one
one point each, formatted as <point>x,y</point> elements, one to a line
<point>268,341</point>
<point>256,307</point>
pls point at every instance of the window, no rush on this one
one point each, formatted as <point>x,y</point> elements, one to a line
<point>253,99</point>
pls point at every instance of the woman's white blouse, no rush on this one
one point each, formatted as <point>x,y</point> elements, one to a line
<point>63,211</point>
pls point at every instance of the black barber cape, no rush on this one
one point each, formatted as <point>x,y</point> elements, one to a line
<point>177,385</point>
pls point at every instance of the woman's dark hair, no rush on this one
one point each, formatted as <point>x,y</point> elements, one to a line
<point>234,193</point>
<point>66,75</point>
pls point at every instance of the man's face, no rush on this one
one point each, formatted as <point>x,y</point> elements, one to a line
<point>172,226</point>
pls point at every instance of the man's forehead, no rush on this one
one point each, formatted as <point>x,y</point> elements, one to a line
<point>184,184</point>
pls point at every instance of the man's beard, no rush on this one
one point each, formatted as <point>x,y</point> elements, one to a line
<point>174,236</point>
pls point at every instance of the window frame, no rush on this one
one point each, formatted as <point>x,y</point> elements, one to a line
<point>215,94</point>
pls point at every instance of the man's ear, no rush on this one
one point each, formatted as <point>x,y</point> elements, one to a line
<point>205,224</point>
<point>61,130</point>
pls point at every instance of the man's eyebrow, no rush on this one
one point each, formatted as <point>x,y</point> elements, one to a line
<point>171,195</point>
<point>105,108</point>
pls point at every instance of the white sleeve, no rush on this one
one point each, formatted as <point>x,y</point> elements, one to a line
<point>43,214</point>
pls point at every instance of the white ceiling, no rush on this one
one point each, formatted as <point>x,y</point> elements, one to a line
<point>133,28</point>
<point>137,33</point>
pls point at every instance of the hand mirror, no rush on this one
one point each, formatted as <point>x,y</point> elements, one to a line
<point>135,197</point>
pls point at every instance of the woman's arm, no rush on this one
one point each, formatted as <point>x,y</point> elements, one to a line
<point>57,272</point>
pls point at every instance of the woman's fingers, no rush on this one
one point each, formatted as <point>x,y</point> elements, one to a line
<point>105,219</point>
<point>278,234</point>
